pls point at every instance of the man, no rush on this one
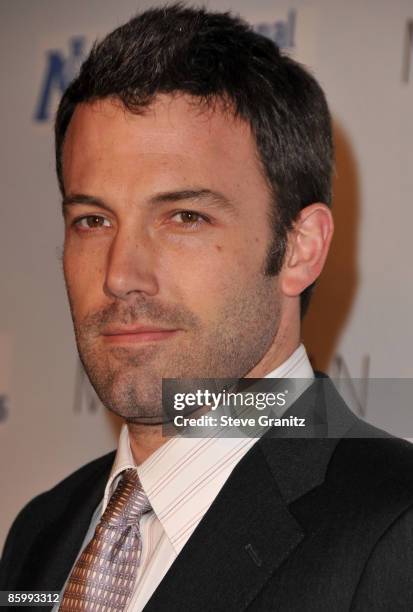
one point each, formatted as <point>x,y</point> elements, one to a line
<point>195,166</point>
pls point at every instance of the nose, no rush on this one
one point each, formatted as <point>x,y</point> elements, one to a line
<point>130,266</point>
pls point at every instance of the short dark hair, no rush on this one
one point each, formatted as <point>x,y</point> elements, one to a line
<point>217,56</point>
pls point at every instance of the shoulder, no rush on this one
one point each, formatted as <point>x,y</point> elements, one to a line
<point>371,468</point>
<point>374,456</point>
<point>370,477</point>
<point>367,455</point>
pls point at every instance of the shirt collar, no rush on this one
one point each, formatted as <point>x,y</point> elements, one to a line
<point>123,461</point>
<point>296,366</point>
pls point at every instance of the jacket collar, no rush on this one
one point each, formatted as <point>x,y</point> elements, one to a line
<point>299,462</point>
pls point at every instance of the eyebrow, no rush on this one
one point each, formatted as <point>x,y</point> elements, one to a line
<point>214,198</point>
<point>82,198</point>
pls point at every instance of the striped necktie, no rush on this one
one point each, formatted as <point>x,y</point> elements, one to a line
<point>104,574</point>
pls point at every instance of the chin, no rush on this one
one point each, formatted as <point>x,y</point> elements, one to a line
<point>135,405</point>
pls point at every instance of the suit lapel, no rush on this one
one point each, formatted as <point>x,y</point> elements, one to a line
<point>248,531</point>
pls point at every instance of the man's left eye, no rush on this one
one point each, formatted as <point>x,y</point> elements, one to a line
<point>188,217</point>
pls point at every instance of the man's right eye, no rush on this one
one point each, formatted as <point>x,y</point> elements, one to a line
<point>90,222</point>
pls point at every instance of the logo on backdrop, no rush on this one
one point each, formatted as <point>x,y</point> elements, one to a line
<point>60,69</point>
<point>407,62</point>
<point>354,391</point>
<point>62,65</point>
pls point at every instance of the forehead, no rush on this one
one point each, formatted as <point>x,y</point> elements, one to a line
<point>175,136</point>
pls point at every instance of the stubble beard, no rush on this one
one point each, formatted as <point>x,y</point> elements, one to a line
<point>128,380</point>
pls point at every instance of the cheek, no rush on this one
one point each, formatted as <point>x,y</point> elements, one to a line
<point>208,280</point>
<point>84,277</point>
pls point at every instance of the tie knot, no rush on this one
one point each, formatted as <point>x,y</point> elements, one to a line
<point>128,502</point>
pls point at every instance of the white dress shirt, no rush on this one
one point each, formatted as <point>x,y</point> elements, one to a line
<point>181,479</point>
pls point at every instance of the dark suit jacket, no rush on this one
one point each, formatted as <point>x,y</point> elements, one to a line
<point>301,525</point>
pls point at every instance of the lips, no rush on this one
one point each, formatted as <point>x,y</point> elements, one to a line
<point>136,333</point>
<point>139,329</point>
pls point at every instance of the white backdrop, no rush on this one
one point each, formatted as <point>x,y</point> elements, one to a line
<point>359,322</point>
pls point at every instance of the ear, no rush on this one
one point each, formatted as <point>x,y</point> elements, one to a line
<point>308,245</point>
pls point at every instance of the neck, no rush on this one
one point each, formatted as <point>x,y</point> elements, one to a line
<point>145,440</point>
<point>282,347</point>
<point>286,340</point>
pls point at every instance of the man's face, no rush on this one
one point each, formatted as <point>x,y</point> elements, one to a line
<point>167,231</point>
